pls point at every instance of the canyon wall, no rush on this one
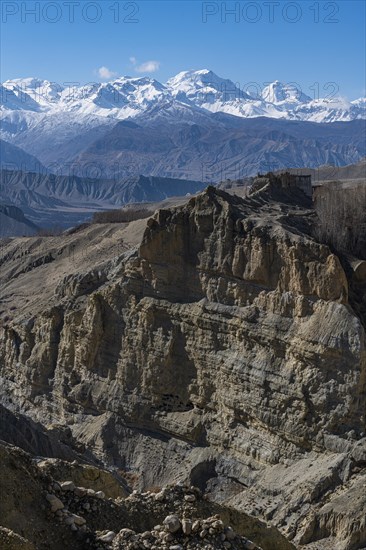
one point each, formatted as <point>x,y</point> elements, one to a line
<point>221,348</point>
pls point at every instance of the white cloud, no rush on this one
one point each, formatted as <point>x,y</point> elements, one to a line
<point>133,60</point>
<point>148,67</point>
<point>105,73</point>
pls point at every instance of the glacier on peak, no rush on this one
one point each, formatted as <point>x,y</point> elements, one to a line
<point>130,97</point>
<point>278,93</point>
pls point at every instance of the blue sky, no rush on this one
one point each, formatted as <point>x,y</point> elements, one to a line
<point>318,45</point>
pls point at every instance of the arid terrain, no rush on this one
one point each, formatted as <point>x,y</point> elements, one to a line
<point>215,351</point>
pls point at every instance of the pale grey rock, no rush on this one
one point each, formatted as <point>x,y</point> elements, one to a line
<point>227,338</point>
<point>186,526</point>
<point>55,503</point>
<point>172,523</point>
<point>107,537</point>
<point>67,485</point>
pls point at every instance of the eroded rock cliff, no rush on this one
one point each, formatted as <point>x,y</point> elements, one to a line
<point>45,512</point>
<point>214,342</point>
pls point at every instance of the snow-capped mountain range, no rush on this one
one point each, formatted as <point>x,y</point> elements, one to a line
<point>203,90</point>
<point>196,126</point>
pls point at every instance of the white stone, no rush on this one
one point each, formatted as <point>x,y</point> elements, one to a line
<point>108,537</point>
<point>67,485</point>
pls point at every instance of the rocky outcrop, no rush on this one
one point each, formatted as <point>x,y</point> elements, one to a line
<point>222,350</point>
<point>54,441</point>
<point>38,512</point>
<point>11,541</point>
<point>85,475</point>
<point>25,524</point>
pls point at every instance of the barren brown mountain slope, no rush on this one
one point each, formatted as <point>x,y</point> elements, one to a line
<point>214,342</point>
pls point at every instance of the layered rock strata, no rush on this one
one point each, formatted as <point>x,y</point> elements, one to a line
<point>222,348</point>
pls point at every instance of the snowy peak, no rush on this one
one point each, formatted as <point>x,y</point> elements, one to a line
<point>141,90</point>
<point>186,95</point>
<point>204,87</point>
<point>120,98</point>
<point>279,93</point>
<point>361,101</point>
<point>32,83</point>
<point>13,99</point>
<point>42,92</point>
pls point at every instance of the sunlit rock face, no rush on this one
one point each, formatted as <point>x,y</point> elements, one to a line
<point>221,349</point>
